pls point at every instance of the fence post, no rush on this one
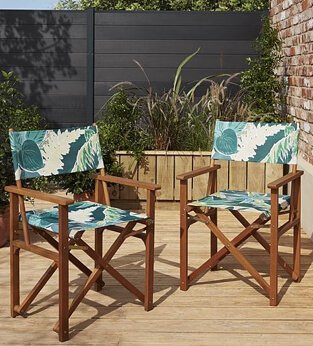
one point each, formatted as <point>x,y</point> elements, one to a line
<point>90,65</point>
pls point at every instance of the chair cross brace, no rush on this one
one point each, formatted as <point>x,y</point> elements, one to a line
<point>231,246</point>
<point>21,309</point>
<point>95,275</point>
<point>102,263</point>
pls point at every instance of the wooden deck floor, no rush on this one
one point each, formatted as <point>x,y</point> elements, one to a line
<point>224,308</point>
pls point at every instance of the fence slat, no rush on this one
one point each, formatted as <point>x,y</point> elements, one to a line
<point>147,173</point>
<point>165,177</point>
<point>182,164</point>
<point>200,183</point>
<point>256,177</point>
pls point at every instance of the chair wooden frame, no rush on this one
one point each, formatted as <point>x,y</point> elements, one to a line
<point>62,257</point>
<point>208,216</point>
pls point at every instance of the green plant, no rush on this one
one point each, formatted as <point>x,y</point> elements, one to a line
<point>182,118</point>
<point>165,5</point>
<point>15,114</point>
<point>120,128</point>
<point>117,131</point>
<point>163,116</point>
<point>222,100</point>
<point>265,91</point>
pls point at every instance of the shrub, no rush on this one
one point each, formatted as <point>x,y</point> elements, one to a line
<point>120,127</point>
<point>15,114</point>
<point>181,118</point>
<point>265,91</point>
<point>165,5</point>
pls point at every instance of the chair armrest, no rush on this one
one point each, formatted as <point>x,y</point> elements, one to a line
<point>197,172</point>
<point>276,184</point>
<point>39,195</point>
<point>128,182</point>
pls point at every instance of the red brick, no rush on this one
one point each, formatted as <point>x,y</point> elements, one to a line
<point>305,4</point>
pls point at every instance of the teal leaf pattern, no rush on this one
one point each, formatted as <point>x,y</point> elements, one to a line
<point>83,216</point>
<point>30,158</point>
<point>88,155</point>
<point>242,200</point>
<point>256,142</point>
<point>227,142</point>
<point>53,152</point>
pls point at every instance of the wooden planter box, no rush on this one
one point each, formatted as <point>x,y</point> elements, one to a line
<point>162,167</point>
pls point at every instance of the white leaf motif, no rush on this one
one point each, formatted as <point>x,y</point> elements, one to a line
<point>54,147</point>
<point>252,137</point>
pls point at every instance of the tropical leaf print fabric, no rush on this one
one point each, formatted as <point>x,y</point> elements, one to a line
<point>242,200</point>
<point>53,152</point>
<point>256,142</point>
<point>82,216</point>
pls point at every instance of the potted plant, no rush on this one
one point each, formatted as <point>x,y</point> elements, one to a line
<point>16,114</point>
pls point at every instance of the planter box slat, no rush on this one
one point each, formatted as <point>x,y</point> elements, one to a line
<point>131,172</point>
<point>147,173</point>
<point>255,177</point>
<point>237,175</point>
<point>182,164</point>
<point>162,167</point>
<point>223,175</point>
<point>165,177</point>
<point>199,186</point>
<point>273,171</point>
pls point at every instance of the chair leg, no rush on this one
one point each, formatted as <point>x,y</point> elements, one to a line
<point>15,279</point>
<point>63,275</point>
<point>149,268</point>
<point>214,238</point>
<point>184,256</point>
<point>297,239</point>
<point>274,250</point>
<point>183,236</point>
<point>297,252</point>
<point>99,250</point>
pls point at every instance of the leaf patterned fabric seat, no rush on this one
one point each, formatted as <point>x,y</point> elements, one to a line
<point>241,200</point>
<point>82,216</point>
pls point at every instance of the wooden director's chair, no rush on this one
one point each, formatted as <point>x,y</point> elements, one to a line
<point>53,152</point>
<point>250,142</point>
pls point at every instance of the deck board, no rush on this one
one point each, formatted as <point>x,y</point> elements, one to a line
<point>225,307</point>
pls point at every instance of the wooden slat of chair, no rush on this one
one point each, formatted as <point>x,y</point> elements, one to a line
<point>149,243</point>
<point>14,256</point>
<point>63,274</point>
<point>297,235</point>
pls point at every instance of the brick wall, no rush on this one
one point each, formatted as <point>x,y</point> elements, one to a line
<point>294,19</point>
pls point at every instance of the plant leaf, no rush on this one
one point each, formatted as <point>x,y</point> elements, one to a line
<point>177,80</point>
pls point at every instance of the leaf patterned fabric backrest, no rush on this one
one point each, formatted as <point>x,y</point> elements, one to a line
<point>53,152</point>
<point>256,142</point>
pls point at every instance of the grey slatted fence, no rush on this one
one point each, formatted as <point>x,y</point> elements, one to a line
<point>69,60</point>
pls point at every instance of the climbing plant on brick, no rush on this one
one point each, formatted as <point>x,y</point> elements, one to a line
<point>265,90</point>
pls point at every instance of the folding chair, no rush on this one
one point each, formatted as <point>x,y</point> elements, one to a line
<point>54,152</point>
<point>250,142</point>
